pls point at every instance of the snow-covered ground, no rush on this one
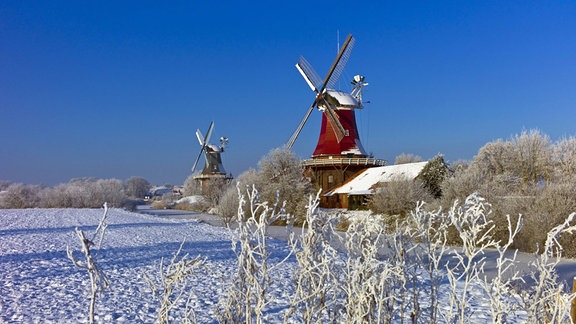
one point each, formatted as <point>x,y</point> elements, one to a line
<point>39,283</point>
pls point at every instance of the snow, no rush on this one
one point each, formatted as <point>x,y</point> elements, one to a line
<point>39,283</point>
<point>363,183</point>
<point>190,200</point>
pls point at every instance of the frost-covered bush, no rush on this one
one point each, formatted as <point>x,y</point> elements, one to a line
<point>77,193</point>
<point>279,174</point>
<point>228,206</point>
<point>136,187</point>
<point>528,175</point>
<point>247,296</point>
<point>4,185</point>
<point>86,193</point>
<point>19,195</point>
<point>191,186</point>
<point>174,284</point>
<point>432,175</point>
<point>543,296</point>
<point>397,198</point>
<point>407,158</point>
<point>374,273</point>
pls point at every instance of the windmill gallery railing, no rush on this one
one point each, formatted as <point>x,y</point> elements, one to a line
<point>344,161</point>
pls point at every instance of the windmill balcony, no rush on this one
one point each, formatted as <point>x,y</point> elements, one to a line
<point>369,162</point>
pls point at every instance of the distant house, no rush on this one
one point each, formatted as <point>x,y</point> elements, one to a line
<point>353,194</point>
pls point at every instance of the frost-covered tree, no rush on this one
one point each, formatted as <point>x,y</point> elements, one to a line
<point>532,156</point>
<point>432,175</point>
<point>398,197</point>
<point>4,184</point>
<point>279,172</point>
<point>528,175</point>
<point>214,189</point>
<point>564,159</point>
<point>407,158</point>
<point>137,187</point>
<point>191,186</point>
<point>19,195</point>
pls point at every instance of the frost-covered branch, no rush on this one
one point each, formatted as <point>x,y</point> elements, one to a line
<point>547,301</point>
<point>316,276</point>
<point>500,288</point>
<point>474,229</point>
<point>248,295</point>
<point>430,229</point>
<point>98,280</point>
<point>174,279</point>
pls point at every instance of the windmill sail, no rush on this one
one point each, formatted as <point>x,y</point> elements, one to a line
<point>203,142</point>
<point>341,61</point>
<point>311,77</point>
<point>320,88</point>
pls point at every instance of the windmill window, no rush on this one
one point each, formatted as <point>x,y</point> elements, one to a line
<point>330,179</point>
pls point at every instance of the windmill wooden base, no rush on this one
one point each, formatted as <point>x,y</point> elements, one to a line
<point>328,172</point>
<point>206,180</point>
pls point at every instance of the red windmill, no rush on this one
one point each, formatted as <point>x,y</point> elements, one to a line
<point>339,153</point>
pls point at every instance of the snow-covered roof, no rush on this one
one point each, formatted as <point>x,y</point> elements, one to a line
<point>363,183</point>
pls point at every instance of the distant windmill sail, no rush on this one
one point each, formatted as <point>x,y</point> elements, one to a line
<point>212,153</point>
<point>203,140</point>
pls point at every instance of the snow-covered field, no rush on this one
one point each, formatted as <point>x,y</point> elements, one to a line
<point>39,283</point>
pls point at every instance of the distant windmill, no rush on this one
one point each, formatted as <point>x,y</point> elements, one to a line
<point>338,134</point>
<point>212,153</point>
<point>339,154</point>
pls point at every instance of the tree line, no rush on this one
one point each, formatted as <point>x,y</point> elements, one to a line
<point>77,193</point>
<point>527,174</point>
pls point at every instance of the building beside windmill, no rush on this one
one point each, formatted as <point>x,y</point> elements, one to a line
<point>213,167</point>
<point>339,154</point>
<point>355,192</point>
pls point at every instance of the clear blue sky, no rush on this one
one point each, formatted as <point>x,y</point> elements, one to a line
<point>118,88</point>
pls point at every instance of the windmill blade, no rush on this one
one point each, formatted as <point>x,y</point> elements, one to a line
<point>200,137</point>
<point>309,74</point>
<point>334,121</point>
<point>208,133</point>
<point>203,142</point>
<point>299,129</point>
<point>339,63</point>
<point>197,159</point>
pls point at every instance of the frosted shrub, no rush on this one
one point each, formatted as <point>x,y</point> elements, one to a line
<point>398,197</point>
<point>546,301</point>
<point>19,195</point>
<point>429,229</point>
<point>136,187</point>
<point>473,227</point>
<point>98,280</point>
<point>500,289</point>
<point>316,278</point>
<point>373,273</point>
<point>228,206</point>
<point>248,294</point>
<point>371,282</point>
<point>174,283</point>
